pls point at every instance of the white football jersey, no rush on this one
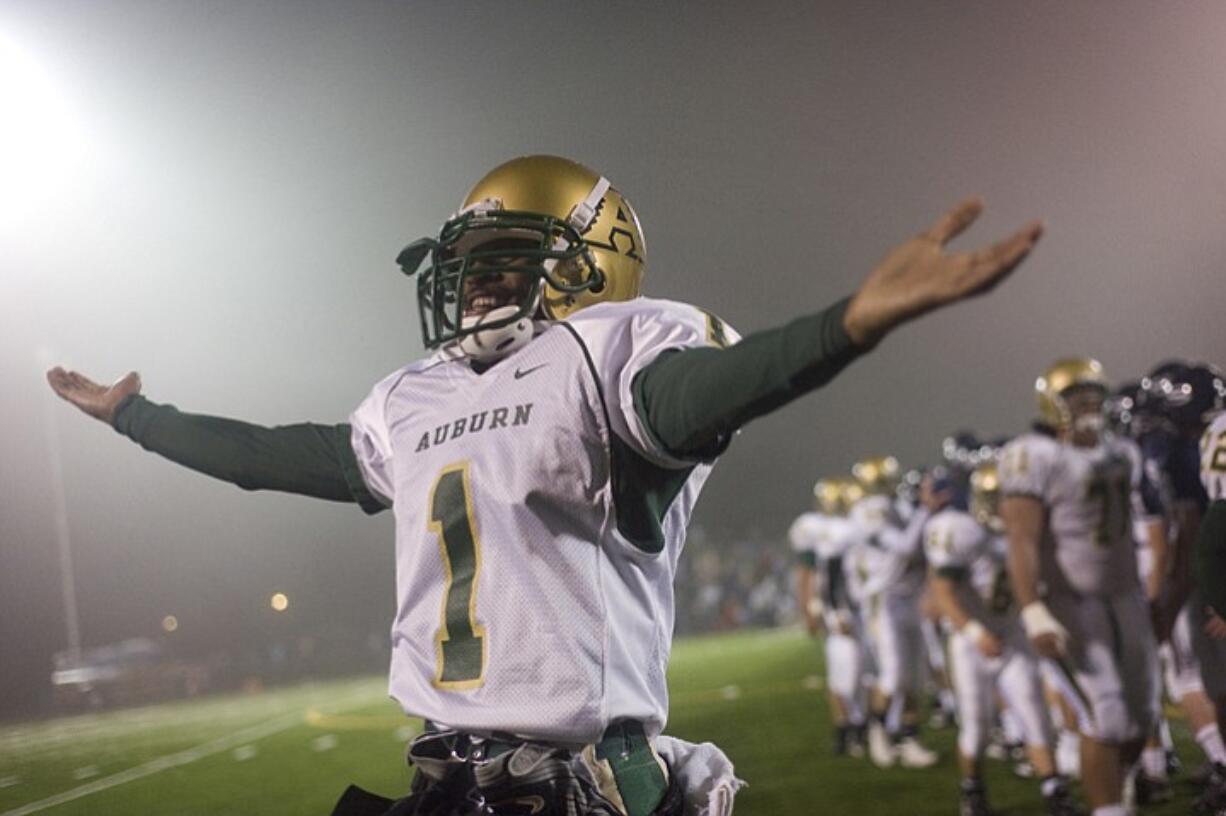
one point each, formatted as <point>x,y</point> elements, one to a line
<point>866,568</point>
<point>1090,495</point>
<point>870,568</point>
<point>955,541</point>
<point>534,580</point>
<point>899,567</point>
<point>1213,458</point>
<point>827,537</point>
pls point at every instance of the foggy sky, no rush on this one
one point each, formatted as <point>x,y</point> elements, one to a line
<point>253,169</point>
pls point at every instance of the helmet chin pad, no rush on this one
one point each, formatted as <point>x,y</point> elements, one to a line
<point>489,345</point>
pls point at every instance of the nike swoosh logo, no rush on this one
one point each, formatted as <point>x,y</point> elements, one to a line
<point>521,373</point>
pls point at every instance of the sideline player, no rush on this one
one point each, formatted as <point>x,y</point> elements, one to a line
<point>1211,541</point>
<point>988,652</point>
<point>1189,396</point>
<point>550,447</point>
<point>1068,490</point>
<point>821,539</point>
<point>890,546</point>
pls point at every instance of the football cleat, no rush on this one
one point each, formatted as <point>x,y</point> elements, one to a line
<point>855,743</point>
<point>880,748</point>
<point>973,799</point>
<point>913,755</point>
<point>1150,790</point>
<point>1213,800</point>
<point>841,737</point>
<point>940,719</point>
<point>1060,802</point>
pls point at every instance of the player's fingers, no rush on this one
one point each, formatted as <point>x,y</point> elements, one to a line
<point>77,383</point>
<point>57,378</point>
<point>83,382</point>
<point>989,266</point>
<point>956,220</point>
<point>1010,250</point>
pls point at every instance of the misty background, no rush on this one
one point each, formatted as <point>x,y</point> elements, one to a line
<point>222,188</point>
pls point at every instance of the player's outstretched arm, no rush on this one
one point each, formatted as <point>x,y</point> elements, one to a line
<point>693,400</point>
<point>919,276</point>
<point>306,458</point>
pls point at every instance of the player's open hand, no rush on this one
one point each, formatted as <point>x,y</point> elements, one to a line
<point>99,401</point>
<point>919,276</point>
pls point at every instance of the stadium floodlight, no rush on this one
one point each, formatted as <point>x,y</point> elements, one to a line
<point>279,602</point>
<point>42,143</point>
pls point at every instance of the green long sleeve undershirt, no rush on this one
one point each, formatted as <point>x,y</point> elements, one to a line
<point>1211,557</point>
<point>691,400</point>
<point>306,458</point>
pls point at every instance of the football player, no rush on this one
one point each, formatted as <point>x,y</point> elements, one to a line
<point>1068,492</point>
<point>541,463</point>
<point>1189,397</point>
<point>821,540</point>
<point>988,651</point>
<point>889,535</point>
<point>910,492</point>
<point>1211,541</point>
<point>1131,414</point>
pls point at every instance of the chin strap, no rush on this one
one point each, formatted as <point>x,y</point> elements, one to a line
<point>584,212</point>
<point>581,216</point>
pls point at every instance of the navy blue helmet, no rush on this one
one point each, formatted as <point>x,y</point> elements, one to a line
<point>1186,394</point>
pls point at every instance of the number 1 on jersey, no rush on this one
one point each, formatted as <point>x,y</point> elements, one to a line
<point>460,641</point>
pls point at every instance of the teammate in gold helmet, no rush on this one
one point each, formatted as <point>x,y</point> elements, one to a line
<point>833,495</point>
<point>878,475</point>
<point>1072,394</point>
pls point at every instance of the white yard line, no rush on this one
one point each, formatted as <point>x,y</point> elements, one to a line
<point>163,763</point>
<point>153,766</point>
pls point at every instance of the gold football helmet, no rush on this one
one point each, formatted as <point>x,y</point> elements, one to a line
<point>876,476</point>
<point>834,495</point>
<point>828,496</point>
<point>561,225</point>
<point>1058,379</point>
<point>985,496</point>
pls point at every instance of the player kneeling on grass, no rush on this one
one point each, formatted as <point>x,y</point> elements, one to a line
<point>542,463</point>
<point>988,652</point>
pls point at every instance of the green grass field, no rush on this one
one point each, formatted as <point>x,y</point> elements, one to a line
<point>292,751</point>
